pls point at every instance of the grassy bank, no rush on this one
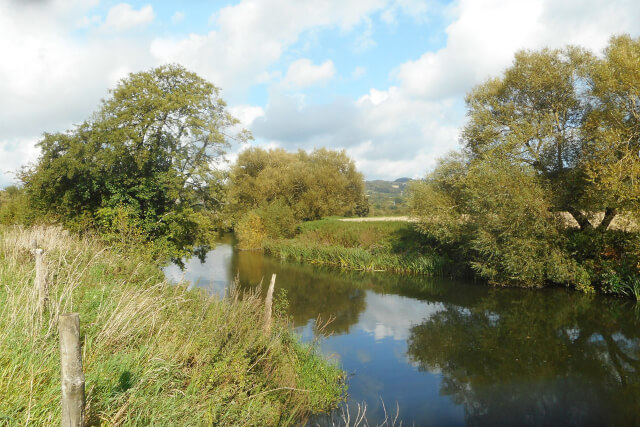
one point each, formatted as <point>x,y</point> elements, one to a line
<point>153,354</point>
<point>373,246</point>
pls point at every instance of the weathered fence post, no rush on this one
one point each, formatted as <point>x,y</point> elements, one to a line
<point>41,280</point>
<point>71,372</point>
<point>268,303</point>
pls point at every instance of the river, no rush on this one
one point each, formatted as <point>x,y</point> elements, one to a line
<point>454,353</point>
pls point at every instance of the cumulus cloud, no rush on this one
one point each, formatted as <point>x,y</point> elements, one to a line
<point>177,17</point>
<point>252,35</point>
<point>122,17</point>
<point>404,128</point>
<point>485,34</point>
<point>392,316</point>
<point>303,73</point>
<point>53,80</point>
<point>55,77</point>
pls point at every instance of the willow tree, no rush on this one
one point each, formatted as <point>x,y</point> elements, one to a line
<point>612,128</point>
<point>558,131</point>
<point>145,163</point>
<point>533,115</point>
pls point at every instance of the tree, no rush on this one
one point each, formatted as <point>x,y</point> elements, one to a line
<point>558,132</point>
<point>533,115</point>
<point>312,185</point>
<point>495,215</point>
<point>612,128</point>
<point>145,160</point>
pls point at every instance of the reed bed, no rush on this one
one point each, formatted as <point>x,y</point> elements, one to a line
<point>365,246</point>
<point>153,353</point>
<point>357,258</point>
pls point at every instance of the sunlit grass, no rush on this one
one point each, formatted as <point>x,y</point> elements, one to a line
<point>366,246</point>
<point>153,354</point>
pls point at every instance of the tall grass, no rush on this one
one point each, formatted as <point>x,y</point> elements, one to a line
<point>357,258</point>
<point>153,354</point>
<point>366,246</point>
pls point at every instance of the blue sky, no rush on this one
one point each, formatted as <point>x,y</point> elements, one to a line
<point>383,79</point>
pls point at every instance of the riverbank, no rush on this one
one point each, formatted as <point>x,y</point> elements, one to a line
<point>153,353</point>
<point>392,246</point>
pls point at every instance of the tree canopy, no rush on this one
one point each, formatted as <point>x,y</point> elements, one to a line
<point>270,191</point>
<point>314,185</point>
<point>557,134</point>
<point>144,163</point>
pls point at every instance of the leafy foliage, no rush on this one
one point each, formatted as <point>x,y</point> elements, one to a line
<point>388,197</point>
<point>558,132</point>
<point>285,188</point>
<point>145,160</point>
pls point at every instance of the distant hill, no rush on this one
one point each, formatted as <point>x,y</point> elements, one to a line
<point>387,197</point>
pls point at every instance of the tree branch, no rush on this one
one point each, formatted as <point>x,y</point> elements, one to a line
<point>609,215</point>
<point>580,218</point>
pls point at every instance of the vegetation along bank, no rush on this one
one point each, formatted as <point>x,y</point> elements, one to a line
<point>153,353</point>
<point>552,142</point>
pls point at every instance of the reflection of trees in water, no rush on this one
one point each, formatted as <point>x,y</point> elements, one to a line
<point>330,292</point>
<point>309,292</point>
<point>539,358</point>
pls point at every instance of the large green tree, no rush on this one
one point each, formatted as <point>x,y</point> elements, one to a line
<point>144,162</point>
<point>533,115</point>
<point>558,133</point>
<point>612,127</point>
<point>316,184</point>
<point>271,191</point>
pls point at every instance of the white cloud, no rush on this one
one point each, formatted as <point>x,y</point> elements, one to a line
<point>365,40</point>
<point>15,153</point>
<point>177,17</point>
<point>88,22</point>
<point>392,316</point>
<point>485,34</point>
<point>358,72</point>
<point>251,36</point>
<point>122,17</point>
<point>303,73</point>
<point>53,80</point>
<point>418,9</point>
<point>387,133</point>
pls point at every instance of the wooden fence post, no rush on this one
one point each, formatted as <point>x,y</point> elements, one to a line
<point>41,280</point>
<point>268,303</point>
<point>71,372</point>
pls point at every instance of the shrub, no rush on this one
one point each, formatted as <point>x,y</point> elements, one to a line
<point>250,231</point>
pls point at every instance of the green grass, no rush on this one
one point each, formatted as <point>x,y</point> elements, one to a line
<point>153,354</point>
<point>371,246</point>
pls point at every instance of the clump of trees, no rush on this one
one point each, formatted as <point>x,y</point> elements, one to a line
<point>143,166</point>
<point>558,134</point>
<point>271,191</point>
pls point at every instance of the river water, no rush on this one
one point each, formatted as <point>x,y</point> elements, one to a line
<point>455,353</point>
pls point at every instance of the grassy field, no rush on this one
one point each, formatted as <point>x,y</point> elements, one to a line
<point>153,354</point>
<point>373,246</point>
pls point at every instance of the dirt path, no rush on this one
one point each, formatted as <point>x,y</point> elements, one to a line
<point>380,218</point>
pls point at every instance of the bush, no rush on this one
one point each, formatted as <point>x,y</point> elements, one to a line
<point>250,231</point>
<point>278,219</point>
<point>497,217</point>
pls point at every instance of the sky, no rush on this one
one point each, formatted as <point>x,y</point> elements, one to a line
<point>384,80</point>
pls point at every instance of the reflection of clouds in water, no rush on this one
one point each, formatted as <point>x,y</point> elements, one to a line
<point>214,274</point>
<point>363,356</point>
<point>393,315</point>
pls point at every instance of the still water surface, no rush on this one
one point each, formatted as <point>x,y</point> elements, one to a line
<point>455,353</point>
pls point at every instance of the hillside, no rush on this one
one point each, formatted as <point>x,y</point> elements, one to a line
<point>388,197</point>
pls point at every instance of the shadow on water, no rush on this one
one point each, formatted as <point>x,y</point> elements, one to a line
<point>455,353</point>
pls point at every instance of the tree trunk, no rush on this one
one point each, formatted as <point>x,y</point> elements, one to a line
<point>609,215</point>
<point>580,218</point>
